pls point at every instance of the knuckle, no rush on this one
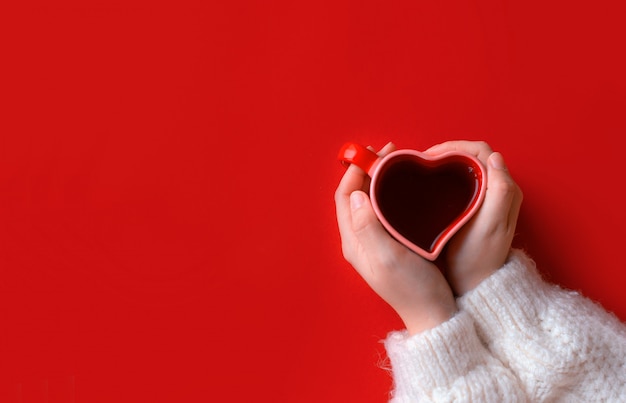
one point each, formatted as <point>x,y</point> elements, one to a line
<point>520,194</point>
<point>504,187</point>
<point>482,144</point>
<point>387,260</point>
<point>347,252</point>
<point>338,194</point>
<point>361,224</point>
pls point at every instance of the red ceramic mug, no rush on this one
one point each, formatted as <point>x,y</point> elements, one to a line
<point>422,200</point>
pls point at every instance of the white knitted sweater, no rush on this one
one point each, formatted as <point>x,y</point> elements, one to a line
<point>516,338</point>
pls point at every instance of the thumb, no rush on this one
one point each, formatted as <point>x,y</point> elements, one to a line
<point>366,226</point>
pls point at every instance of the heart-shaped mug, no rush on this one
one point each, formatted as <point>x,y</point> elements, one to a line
<point>422,200</point>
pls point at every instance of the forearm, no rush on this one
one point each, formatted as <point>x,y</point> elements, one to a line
<point>557,343</point>
<point>448,363</point>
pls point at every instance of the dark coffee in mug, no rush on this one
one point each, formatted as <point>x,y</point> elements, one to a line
<point>420,202</point>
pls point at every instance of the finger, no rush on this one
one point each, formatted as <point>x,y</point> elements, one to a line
<point>354,177</point>
<point>367,228</point>
<point>357,179</point>
<point>352,180</point>
<point>498,205</point>
<point>515,209</point>
<point>388,148</point>
<point>479,149</point>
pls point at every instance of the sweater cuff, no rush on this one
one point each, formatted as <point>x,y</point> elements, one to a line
<point>435,358</point>
<point>509,300</point>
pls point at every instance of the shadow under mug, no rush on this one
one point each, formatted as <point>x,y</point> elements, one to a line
<point>421,200</point>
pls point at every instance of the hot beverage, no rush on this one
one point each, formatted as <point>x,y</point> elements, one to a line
<point>422,202</point>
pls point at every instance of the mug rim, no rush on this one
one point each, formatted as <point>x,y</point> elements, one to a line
<point>451,229</point>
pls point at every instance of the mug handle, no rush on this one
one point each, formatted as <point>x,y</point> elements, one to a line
<point>352,153</point>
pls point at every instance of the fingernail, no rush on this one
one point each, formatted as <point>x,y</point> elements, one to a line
<point>497,161</point>
<point>356,200</point>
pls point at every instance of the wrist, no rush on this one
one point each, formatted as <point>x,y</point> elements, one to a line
<point>428,317</point>
<point>465,277</point>
<point>471,281</point>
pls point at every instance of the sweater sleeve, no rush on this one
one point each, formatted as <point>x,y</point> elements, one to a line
<point>560,345</point>
<point>446,364</point>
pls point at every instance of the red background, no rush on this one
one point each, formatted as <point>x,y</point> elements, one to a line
<point>167,170</point>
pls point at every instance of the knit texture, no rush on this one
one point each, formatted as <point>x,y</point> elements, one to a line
<point>448,364</point>
<point>516,338</point>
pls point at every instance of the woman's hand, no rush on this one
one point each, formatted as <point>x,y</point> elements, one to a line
<point>414,287</point>
<point>482,246</point>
